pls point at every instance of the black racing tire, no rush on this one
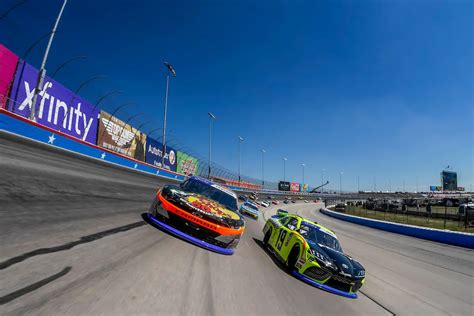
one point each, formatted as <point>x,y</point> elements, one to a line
<point>266,238</point>
<point>292,258</point>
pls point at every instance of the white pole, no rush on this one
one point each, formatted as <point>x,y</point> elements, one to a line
<point>42,72</point>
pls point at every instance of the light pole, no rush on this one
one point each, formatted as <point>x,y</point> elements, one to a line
<point>358,184</point>
<point>263,168</point>
<point>211,118</point>
<point>42,72</point>
<point>284,168</point>
<point>240,141</point>
<point>322,180</point>
<point>303,165</point>
<point>340,182</point>
<point>171,70</point>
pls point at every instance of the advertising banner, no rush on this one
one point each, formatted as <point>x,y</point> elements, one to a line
<point>283,186</point>
<point>294,187</point>
<point>8,63</point>
<point>122,138</point>
<point>433,188</point>
<point>461,189</point>
<point>187,164</point>
<point>154,155</point>
<point>56,106</point>
<point>305,187</point>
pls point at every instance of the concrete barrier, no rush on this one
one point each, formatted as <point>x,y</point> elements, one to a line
<point>17,125</point>
<point>443,236</point>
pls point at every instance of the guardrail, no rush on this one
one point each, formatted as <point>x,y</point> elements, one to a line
<point>460,239</point>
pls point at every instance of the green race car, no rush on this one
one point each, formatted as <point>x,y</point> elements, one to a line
<point>313,254</point>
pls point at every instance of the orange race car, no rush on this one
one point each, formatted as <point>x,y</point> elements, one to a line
<point>200,212</point>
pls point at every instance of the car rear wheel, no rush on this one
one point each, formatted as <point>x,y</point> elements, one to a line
<point>266,238</point>
<point>292,258</point>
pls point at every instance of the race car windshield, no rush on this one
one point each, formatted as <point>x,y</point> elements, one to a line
<point>251,206</point>
<point>213,193</point>
<point>314,236</point>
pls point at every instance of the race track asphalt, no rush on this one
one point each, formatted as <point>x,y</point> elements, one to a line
<point>74,243</point>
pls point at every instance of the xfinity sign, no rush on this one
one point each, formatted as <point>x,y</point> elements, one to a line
<point>56,106</point>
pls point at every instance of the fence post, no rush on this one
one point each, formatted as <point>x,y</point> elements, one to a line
<point>445,214</point>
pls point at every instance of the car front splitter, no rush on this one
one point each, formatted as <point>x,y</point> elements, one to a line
<point>323,287</point>
<point>191,239</point>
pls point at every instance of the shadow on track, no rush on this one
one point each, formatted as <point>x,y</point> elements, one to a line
<point>33,287</point>
<point>275,260</point>
<point>85,239</point>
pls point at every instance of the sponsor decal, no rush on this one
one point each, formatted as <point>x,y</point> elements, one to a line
<point>204,205</point>
<point>8,63</point>
<point>186,164</point>
<point>154,155</point>
<point>56,106</point>
<point>122,138</point>
<point>301,261</point>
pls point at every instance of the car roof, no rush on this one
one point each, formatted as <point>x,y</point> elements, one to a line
<point>314,224</point>
<point>210,183</point>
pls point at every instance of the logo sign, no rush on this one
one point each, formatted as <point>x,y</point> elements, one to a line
<point>56,106</point>
<point>187,164</point>
<point>294,187</point>
<point>154,155</point>
<point>122,138</point>
<point>8,63</point>
<point>283,186</point>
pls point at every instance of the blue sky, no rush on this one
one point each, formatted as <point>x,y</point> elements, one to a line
<point>378,89</point>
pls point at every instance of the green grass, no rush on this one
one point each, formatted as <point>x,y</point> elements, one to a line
<point>410,219</point>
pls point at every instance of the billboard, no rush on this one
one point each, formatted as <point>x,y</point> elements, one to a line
<point>435,188</point>
<point>294,187</point>
<point>154,155</point>
<point>56,106</point>
<point>122,138</point>
<point>461,189</point>
<point>449,180</point>
<point>187,164</point>
<point>8,63</point>
<point>283,186</point>
<point>305,187</point>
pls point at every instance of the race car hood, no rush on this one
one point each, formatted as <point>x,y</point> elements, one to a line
<point>346,265</point>
<point>201,206</point>
<point>249,209</point>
